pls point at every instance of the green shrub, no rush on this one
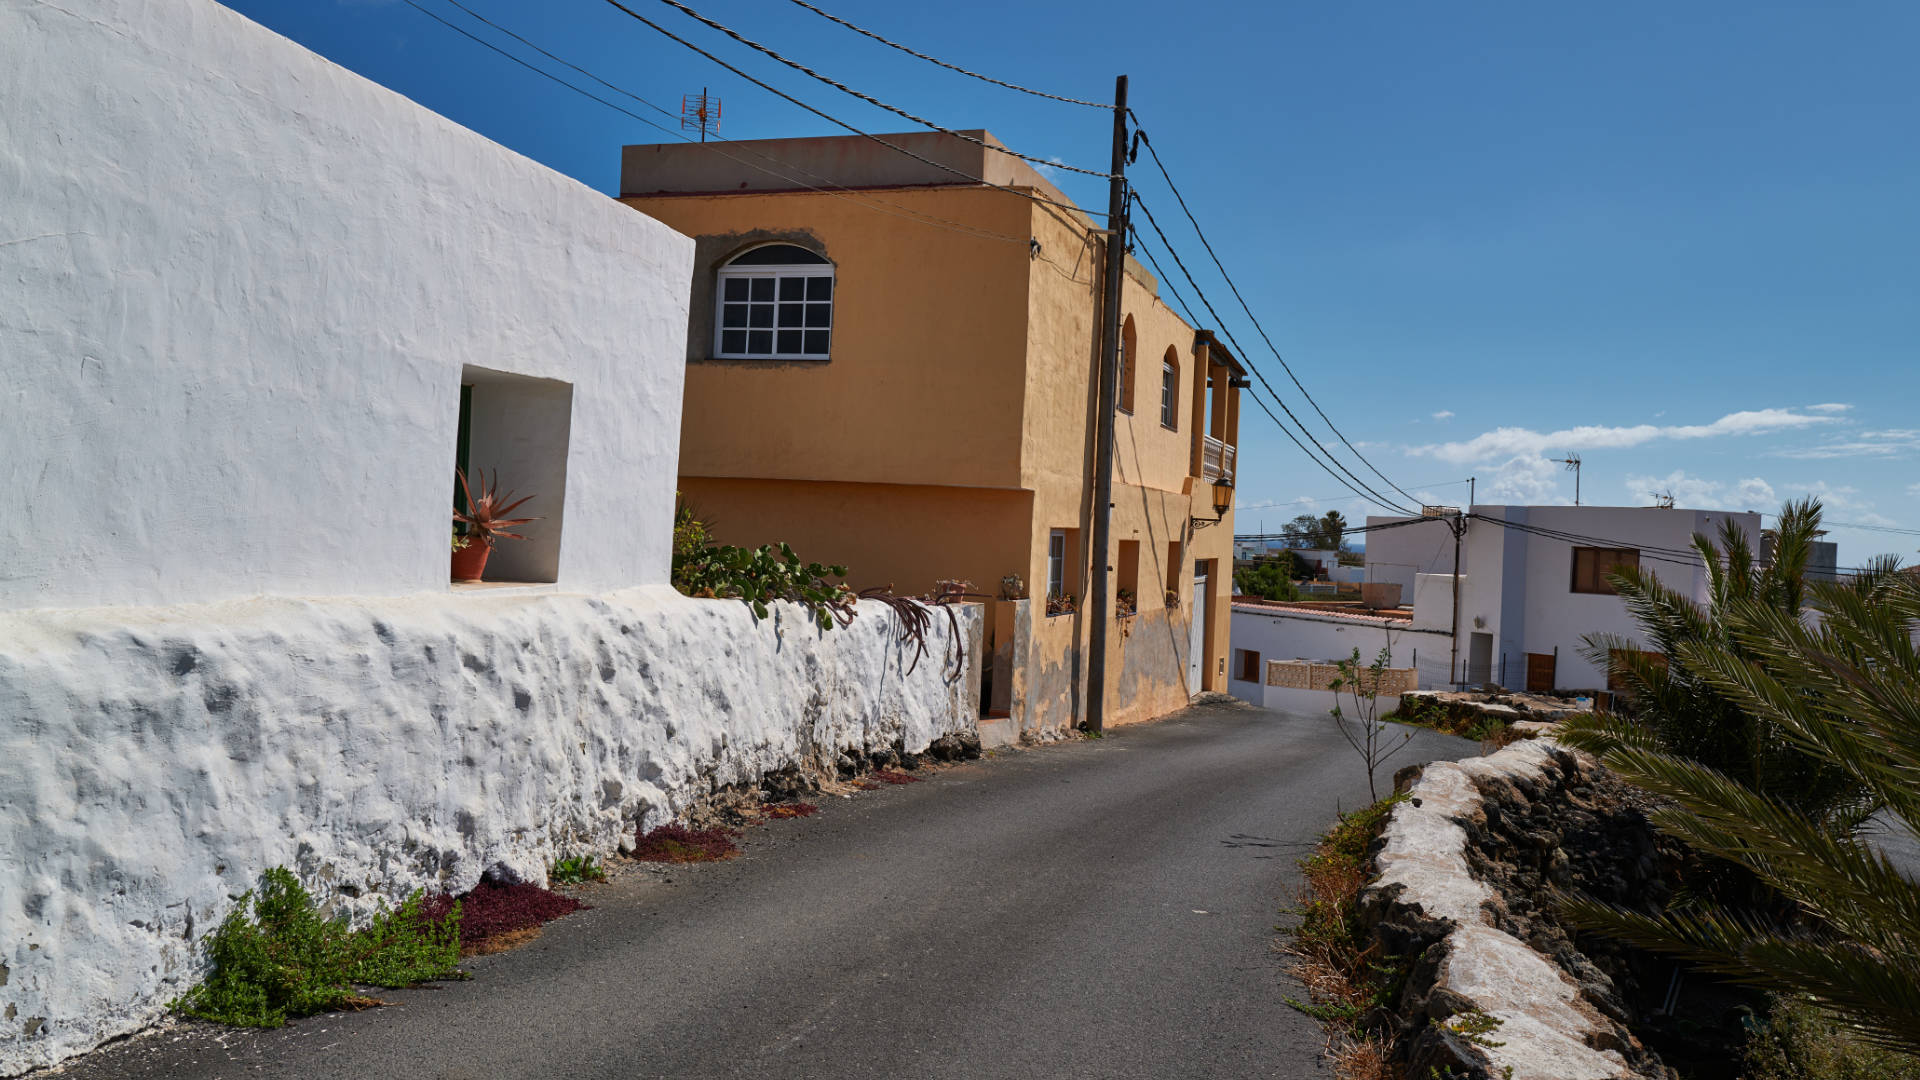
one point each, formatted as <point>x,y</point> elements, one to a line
<point>574,870</point>
<point>762,575</point>
<point>1269,580</point>
<point>276,957</point>
<point>1798,1042</point>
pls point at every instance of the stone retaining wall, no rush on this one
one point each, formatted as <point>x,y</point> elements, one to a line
<point>1461,869</point>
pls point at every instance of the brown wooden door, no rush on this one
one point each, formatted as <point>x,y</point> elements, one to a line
<point>1540,672</point>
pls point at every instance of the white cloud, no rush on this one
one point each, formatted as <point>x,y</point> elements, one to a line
<point>1443,414</point>
<point>1892,442</point>
<point>1914,490</point>
<point>1753,493</point>
<point>1528,480</point>
<point>1509,442</point>
<point>1829,407</point>
<point>1699,493</point>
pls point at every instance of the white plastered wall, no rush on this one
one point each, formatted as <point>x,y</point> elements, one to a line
<point>241,286</point>
<point>155,760</point>
<point>1291,634</point>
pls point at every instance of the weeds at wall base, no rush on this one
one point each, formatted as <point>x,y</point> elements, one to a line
<point>275,957</point>
<point>1347,982</point>
<point>679,844</point>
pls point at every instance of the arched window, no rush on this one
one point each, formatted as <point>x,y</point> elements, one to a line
<point>775,303</point>
<point>1170,390</point>
<point>1129,343</point>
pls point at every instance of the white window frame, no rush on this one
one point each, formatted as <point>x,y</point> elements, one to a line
<point>1056,563</point>
<point>1169,396</point>
<point>776,273</point>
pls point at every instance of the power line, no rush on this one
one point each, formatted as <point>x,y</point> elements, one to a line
<point>861,198</point>
<point>1363,489</point>
<point>837,122</point>
<point>868,98</point>
<point>1284,366</point>
<point>1328,498</point>
<point>830,17</point>
<point>1898,530</point>
<point>1160,274</point>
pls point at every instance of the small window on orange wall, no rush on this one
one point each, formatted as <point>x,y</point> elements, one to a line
<point>1129,344</point>
<point>1170,391</point>
<point>1127,576</point>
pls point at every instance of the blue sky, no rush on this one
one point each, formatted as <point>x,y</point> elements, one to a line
<point>1681,240</point>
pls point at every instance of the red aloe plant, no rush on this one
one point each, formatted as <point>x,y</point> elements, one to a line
<point>486,517</point>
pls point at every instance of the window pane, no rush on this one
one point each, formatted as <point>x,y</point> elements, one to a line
<point>760,342</point>
<point>789,341</point>
<point>762,315</point>
<point>733,315</point>
<point>733,341</point>
<point>820,288</point>
<point>816,343</point>
<point>820,315</point>
<point>793,288</point>
<point>736,288</point>
<point>790,314</point>
<point>763,288</point>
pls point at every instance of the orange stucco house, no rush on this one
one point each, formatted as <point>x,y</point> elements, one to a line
<point>894,368</point>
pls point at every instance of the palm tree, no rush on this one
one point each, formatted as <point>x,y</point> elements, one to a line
<point>1680,709</point>
<point>1333,526</point>
<point>1843,691</point>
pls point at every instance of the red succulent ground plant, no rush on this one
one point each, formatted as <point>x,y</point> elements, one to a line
<point>679,844</point>
<point>878,777</point>
<point>493,915</point>
<point>790,810</point>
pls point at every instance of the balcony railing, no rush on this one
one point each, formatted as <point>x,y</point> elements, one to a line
<point>1216,459</point>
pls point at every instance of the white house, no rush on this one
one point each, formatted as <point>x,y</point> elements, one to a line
<point>1533,581</point>
<point>257,308</point>
<point>1533,586</point>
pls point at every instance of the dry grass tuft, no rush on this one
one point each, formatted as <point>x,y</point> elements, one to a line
<point>512,939</point>
<point>1366,1058</point>
<point>1349,984</point>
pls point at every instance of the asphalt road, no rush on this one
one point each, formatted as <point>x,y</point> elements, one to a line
<point>1096,909</point>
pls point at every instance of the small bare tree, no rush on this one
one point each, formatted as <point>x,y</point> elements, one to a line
<point>1369,736</point>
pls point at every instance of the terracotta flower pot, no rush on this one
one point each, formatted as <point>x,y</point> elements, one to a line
<point>470,562</point>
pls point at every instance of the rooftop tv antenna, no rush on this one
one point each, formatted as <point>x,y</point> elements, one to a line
<point>1572,462</point>
<point>700,110</point>
<point>1663,500</point>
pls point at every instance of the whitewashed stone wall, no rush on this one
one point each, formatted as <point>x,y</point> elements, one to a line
<point>155,761</point>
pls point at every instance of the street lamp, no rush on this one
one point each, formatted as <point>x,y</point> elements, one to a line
<point>1222,502</point>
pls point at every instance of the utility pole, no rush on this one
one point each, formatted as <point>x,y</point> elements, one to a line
<point>1108,393</point>
<point>1459,529</point>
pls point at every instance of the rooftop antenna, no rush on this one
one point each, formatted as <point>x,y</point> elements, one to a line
<point>701,111</point>
<point>1572,462</point>
<point>1663,500</point>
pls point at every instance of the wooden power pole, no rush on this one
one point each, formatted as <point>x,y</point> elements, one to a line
<point>1100,610</point>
